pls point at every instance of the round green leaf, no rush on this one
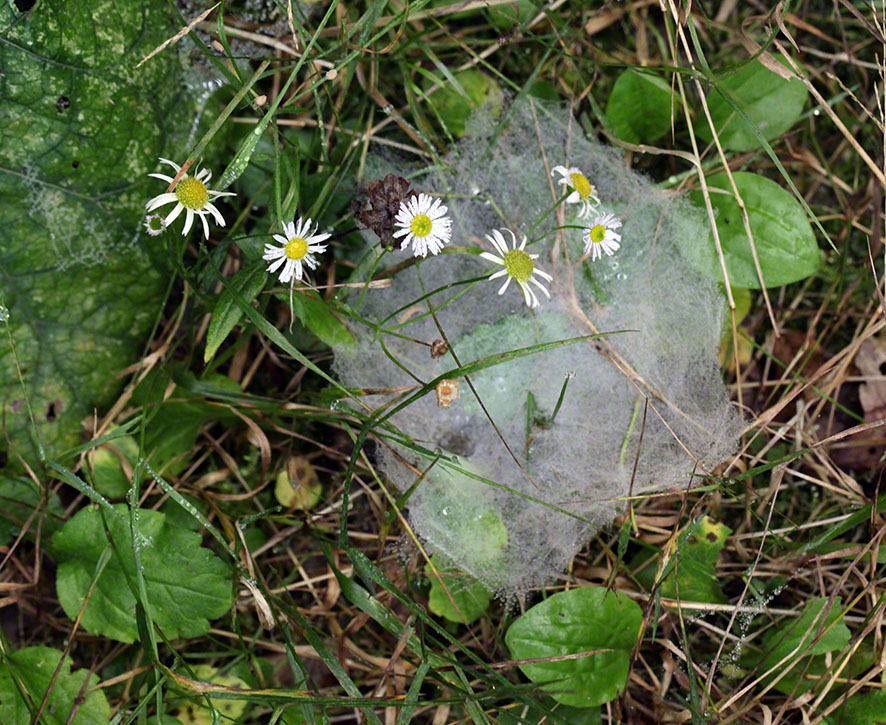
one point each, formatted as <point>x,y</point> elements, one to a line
<point>18,499</point>
<point>470,596</point>
<point>187,585</point>
<point>579,620</point>
<point>34,668</point>
<point>784,240</point>
<point>639,107</point>
<point>82,128</point>
<point>771,103</point>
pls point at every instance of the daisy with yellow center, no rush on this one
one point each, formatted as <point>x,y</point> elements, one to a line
<point>299,244</point>
<point>583,191</point>
<point>600,236</point>
<point>517,264</point>
<point>422,221</point>
<point>191,195</point>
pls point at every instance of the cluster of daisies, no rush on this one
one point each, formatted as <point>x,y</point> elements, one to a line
<point>400,218</point>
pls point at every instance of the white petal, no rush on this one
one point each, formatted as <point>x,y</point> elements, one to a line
<point>573,197</point>
<point>189,219</point>
<point>528,295</point>
<point>283,240</point>
<point>544,275</point>
<point>491,257</point>
<point>500,273</point>
<point>505,285</point>
<point>220,220</point>
<point>540,286</point>
<point>171,163</point>
<point>276,265</point>
<point>160,201</point>
<point>205,225</point>
<point>174,214</point>
<point>162,177</point>
<point>273,252</point>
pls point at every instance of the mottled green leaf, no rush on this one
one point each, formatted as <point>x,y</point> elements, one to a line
<point>771,103</point>
<point>187,584</point>
<point>227,313</point>
<point>691,575</point>
<point>783,238</point>
<point>34,668</point>
<point>80,128</point>
<point>580,620</point>
<point>639,107</point>
<point>861,709</point>
<point>470,596</point>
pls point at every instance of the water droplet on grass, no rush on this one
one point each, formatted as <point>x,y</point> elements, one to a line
<point>4,314</point>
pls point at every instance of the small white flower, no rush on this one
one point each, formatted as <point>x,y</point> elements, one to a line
<point>191,195</point>
<point>583,191</point>
<point>601,237</point>
<point>299,244</point>
<point>155,224</point>
<point>517,265</point>
<point>423,222</point>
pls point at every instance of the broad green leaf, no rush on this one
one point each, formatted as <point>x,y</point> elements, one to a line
<point>771,103</point>
<point>504,17</point>
<point>454,108</point>
<point>780,641</point>
<point>33,668</point>
<point>82,128</point>
<point>227,313</point>
<point>580,620</point>
<point>861,709</point>
<point>470,596</point>
<point>187,585</point>
<point>109,478</point>
<point>316,316</point>
<point>18,499</point>
<point>785,243</point>
<point>639,107</point>
<point>692,575</point>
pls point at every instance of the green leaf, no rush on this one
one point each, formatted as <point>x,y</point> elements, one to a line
<point>109,478</point>
<point>82,128</point>
<point>639,107</point>
<point>580,620</point>
<point>780,641</point>
<point>692,575</point>
<point>18,499</point>
<point>227,313</point>
<point>187,585</point>
<point>785,243</point>
<point>506,16</point>
<point>455,104</point>
<point>470,596</point>
<point>195,711</point>
<point>316,315</point>
<point>866,709</point>
<point>34,668</point>
<point>771,104</point>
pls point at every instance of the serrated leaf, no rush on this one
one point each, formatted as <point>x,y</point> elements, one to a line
<point>72,692</point>
<point>227,313</point>
<point>187,584</point>
<point>692,575</point>
<point>18,499</point>
<point>639,107</point>
<point>771,103</point>
<point>580,620</point>
<point>81,130</point>
<point>470,596</point>
<point>784,240</point>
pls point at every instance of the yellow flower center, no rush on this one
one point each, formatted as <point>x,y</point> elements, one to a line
<point>421,225</point>
<point>581,185</point>
<point>598,233</point>
<point>192,193</point>
<point>519,265</point>
<point>297,248</point>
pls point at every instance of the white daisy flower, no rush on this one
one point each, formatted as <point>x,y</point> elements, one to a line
<point>423,222</point>
<point>601,237</point>
<point>155,224</point>
<point>299,244</point>
<point>583,191</point>
<point>517,265</point>
<point>191,195</point>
